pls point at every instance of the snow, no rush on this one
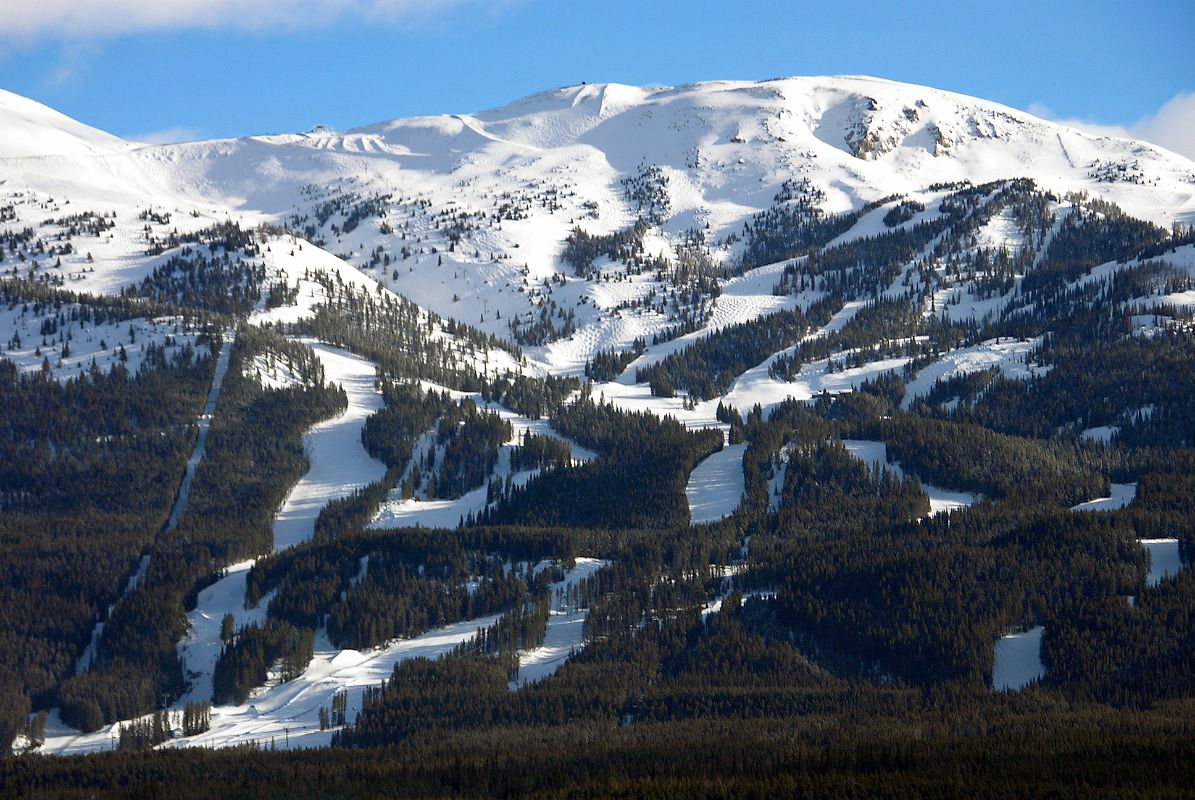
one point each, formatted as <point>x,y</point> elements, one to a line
<point>200,648</point>
<point>85,342</point>
<point>287,714</point>
<point>1018,660</point>
<point>564,634</point>
<point>715,487</point>
<point>1122,495</point>
<point>28,128</point>
<point>1164,559</point>
<point>1100,433</point>
<point>1008,355</point>
<point>339,464</point>
<point>940,500</point>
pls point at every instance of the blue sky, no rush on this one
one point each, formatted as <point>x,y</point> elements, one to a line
<point>205,68</point>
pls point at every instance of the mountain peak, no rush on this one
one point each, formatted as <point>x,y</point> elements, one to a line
<point>29,128</point>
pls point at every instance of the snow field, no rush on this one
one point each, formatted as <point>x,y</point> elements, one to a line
<point>715,486</point>
<point>1018,660</point>
<point>1101,433</point>
<point>1122,495</point>
<point>1165,560</point>
<point>339,464</point>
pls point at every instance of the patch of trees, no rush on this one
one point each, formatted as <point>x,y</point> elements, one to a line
<point>1144,385</point>
<point>405,341</point>
<point>400,599</point>
<point>606,365</point>
<point>637,481</point>
<point>540,452</point>
<point>795,225</point>
<point>390,433</point>
<point>861,267</point>
<point>88,469</point>
<point>647,189</point>
<point>883,328</point>
<point>1095,231</point>
<point>245,662</point>
<point>902,212</point>
<point>1085,753</point>
<point>581,249</point>
<point>470,439</point>
<point>371,587</point>
<point>975,459</point>
<point>530,397</point>
<point>191,279</point>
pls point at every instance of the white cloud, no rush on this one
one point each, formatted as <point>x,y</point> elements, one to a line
<point>166,136</point>
<point>1172,126</point>
<point>55,19</point>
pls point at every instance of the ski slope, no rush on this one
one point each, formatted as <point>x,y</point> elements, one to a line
<point>715,486</point>
<point>339,464</point>
<point>564,633</point>
<point>1018,660</point>
<point>1122,494</point>
<point>468,216</point>
<point>1165,559</point>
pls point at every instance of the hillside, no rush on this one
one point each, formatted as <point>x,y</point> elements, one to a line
<point>619,406</point>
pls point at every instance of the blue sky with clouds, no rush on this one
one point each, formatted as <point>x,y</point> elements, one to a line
<point>205,68</point>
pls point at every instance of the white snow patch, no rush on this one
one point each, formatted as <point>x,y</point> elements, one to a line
<point>1122,495</point>
<point>339,464</point>
<point>565,629</point>
<point>1018,660</point>
<point>715,487</point>
<point>1100,433</point>
<point>1164,559</point>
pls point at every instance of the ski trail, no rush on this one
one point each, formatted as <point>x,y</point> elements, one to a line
<point>339,463</point>
<point>180,501</point>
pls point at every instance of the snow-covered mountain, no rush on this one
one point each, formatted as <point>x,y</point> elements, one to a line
<point>28,128</point>
<point>593,223</point>
<point>509,184</point>
<point>469,215</point>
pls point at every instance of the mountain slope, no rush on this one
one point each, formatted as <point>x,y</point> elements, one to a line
<point>472,211</point>
<point>28,128</point>
<point>895,306</point>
